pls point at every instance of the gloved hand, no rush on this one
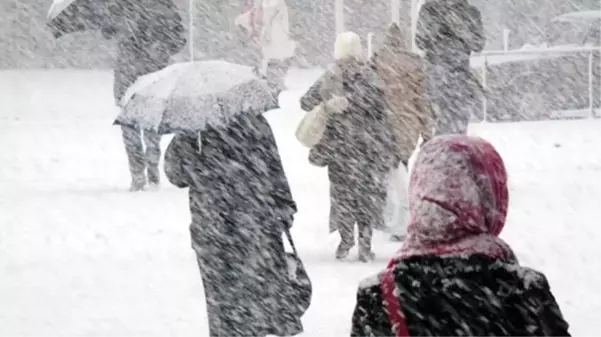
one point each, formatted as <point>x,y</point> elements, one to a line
<point>337,104</point>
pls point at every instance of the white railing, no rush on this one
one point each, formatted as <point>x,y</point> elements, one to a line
<point>529,54</point>
<point>481,60</point>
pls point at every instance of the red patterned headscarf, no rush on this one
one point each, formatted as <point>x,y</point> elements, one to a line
<point>458,200</point>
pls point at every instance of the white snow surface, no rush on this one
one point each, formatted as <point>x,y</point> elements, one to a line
<point>82,256</point>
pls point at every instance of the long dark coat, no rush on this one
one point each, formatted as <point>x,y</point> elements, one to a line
<point>240,202</point>
<point>448,31</point>
<point>456,296</point>
<point>358,146</point>
<point>148,33</point>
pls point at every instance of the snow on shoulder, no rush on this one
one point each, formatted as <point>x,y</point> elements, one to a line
<point>370,281</point>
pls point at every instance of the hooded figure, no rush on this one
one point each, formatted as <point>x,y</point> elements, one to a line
<point>241,204</point>
<point>358,146</point>
<point>405,87</point>
<point>454,276</point>
<point>148,33</point>
<point>448,31</point>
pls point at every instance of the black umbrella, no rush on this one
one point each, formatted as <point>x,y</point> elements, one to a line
<point>70,16</point>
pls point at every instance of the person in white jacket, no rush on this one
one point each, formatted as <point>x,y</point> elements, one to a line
<point>277,47</point>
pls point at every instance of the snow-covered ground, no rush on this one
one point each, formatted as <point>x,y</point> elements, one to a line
<point>81,256</point>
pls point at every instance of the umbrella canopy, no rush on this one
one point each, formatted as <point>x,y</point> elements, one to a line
<point>70,16</point>
<point>188,97</point>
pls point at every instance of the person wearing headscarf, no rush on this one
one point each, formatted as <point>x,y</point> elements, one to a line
<point>453,275</point>
<point>358,145</point>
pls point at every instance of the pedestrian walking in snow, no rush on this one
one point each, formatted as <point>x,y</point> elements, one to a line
<point>241,205</point>
<point>357,146</point>
<point>448,31</point>
<point>405,88</point>
<point>148,33</point>
<point>454,276</point>
<point>269,20</point>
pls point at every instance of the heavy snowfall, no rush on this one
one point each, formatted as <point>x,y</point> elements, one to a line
<point>300,168</point>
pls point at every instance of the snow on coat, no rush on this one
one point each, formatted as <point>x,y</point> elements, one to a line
<point>448,31</point>
<point>453,275</point>
<point>458,199</point>
<point>455,296</point>
<point>358,146</point>
<point>148,35</point>
<point>405,87</point>
<point>240,202</point>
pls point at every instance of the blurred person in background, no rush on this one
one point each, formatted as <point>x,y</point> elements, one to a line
<point>402,72</point>
<point>448,31</point>
<point>148,33</point>
<point>267,24</point>
<point>358,145</point>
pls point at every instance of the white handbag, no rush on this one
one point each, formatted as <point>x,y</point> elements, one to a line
<point>311,127</point>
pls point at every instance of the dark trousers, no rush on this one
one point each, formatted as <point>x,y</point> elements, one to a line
<point>344,213</point>
<point>141,159</point>
<point>455,97</point>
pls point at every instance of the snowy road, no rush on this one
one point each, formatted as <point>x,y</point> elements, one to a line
<point>81,256</point>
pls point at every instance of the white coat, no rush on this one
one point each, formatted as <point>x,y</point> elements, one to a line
<point>275,40</point>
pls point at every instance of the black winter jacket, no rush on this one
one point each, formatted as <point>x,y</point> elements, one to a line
<point>448,31</point>
<point>475,296</point>
<point>148,33</point>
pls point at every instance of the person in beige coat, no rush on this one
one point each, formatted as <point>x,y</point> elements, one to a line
<point>402,72</point>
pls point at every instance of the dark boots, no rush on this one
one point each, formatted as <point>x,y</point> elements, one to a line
<point>347,236</point>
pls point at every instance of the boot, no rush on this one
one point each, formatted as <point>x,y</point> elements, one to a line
<point>342,251</point>
<point>154,177</point>
<point>366,255</point>
<point>137,184</point>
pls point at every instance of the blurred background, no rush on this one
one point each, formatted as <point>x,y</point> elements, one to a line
<point>26,43</point>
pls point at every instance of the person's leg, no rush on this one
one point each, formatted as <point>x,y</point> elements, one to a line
<point>398,206</point>
<point>132,139</point>
<point>341,219</point>
<point>365,236</point>
<point>153,156</point>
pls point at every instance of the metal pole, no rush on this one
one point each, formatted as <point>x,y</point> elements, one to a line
<point>339,16</point>
<point>485,86</point>
<point>370,45</point>
<point>395,11</point>
<point>506,39</point>
<point>590,85</point>
<point>191,28</point>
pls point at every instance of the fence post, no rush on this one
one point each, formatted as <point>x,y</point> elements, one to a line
<point>191,28</point>
<point>395,11</point>
<point>506,33</point>
<point>591,98</point>
<point>339,16</point>
<point>485,87</point>
<point>370,44</point>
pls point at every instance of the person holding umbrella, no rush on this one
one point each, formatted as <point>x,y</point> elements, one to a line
<point>241,205</point>
<point>148,33</point>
